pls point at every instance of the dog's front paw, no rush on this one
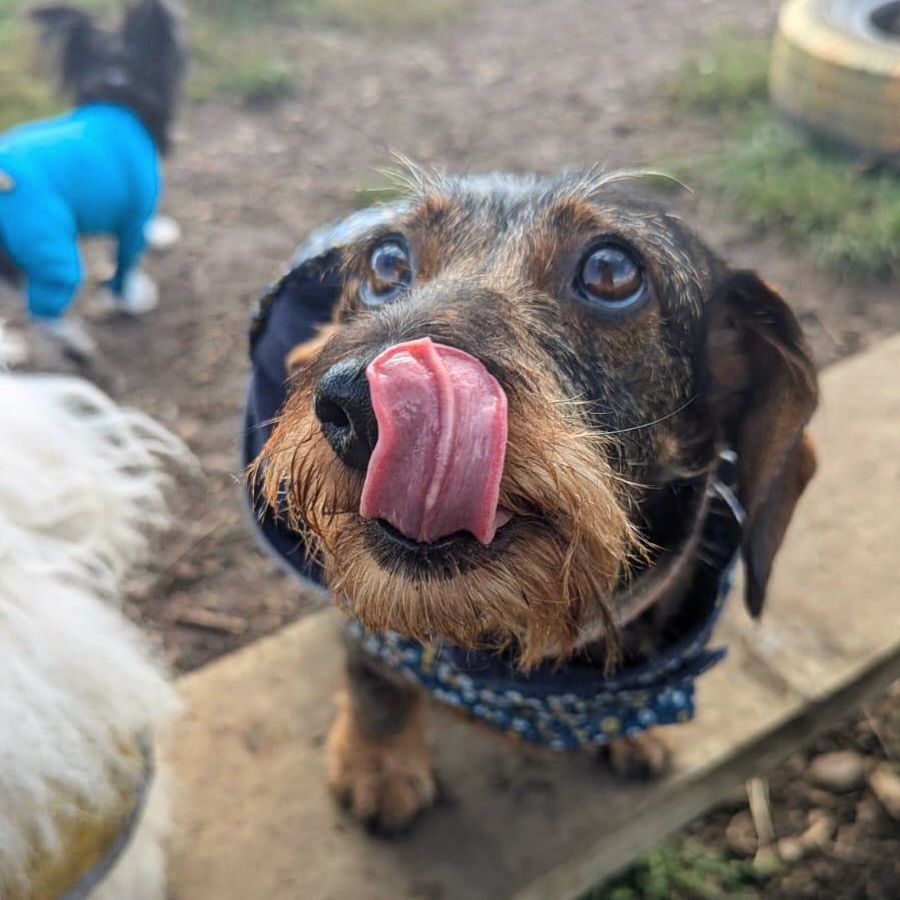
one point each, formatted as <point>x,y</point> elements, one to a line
<point>139,295</point>
<point>162,233</point>
<point>14,351</point>
<point>385,784</point>
<point>57,339</point>
<point>641,757</point>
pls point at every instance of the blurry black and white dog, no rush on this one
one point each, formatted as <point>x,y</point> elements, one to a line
<point>94,170</point>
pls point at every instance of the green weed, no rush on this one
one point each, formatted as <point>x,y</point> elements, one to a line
<point>685,871</point>
<point>775,176</point>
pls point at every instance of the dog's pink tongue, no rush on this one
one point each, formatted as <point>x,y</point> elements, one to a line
<point>437,465</point>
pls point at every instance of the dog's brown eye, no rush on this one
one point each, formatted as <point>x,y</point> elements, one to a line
<point>390,272</point>
<point>611,276</point>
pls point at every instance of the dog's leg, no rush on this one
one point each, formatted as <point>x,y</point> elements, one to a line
<point>131,291</point>
<point>378,761</point>
<point>642,757</point>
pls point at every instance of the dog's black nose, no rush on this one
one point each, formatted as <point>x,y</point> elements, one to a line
<point>344,410</point>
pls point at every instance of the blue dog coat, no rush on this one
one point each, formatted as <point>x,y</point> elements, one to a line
<point>94,171</point>
<point>559,706</point>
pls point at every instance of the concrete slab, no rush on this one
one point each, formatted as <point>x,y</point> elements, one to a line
<point>256,819</point>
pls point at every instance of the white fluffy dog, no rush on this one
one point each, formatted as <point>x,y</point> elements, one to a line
<point>82,806</point>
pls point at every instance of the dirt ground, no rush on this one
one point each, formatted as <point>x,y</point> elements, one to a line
<point>532,85</point>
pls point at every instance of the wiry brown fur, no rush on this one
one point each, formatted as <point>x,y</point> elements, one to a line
<point>378,761</point>
<point>583,536</point>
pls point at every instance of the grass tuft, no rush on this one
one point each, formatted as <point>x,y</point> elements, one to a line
<point>25,93</point>
<point>258,80</point>
<point>775,176</point>
<point>394,16</point>
<point>230,62</point>
<point>729,73</point>
<point>685,871</point>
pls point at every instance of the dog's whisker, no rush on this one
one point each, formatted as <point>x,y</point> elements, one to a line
<point>652,422</point>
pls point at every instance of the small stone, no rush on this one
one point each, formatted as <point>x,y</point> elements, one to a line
<point>740,835</point>
<point>188,427</point>
<point>838,772</point>
<point>868,812</point>
<point>790,849</point>
<point>846,843</point>
<point>885,784</point>
<point>818,834</point>
<point>187,571</point>
<point>817,815</point>
<point>820,799</point>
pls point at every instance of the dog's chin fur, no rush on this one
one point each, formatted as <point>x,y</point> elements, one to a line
<point>83,490</point>
<point>569,545</point>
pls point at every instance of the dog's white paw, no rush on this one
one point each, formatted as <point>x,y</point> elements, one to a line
<point>162,233</point>
<point>70,334</point>
<point>140,296</point>
<point>13,348</point>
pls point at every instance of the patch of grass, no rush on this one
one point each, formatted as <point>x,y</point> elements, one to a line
<point>241,14</point>
<point>360,15</point>
<point>849,219</point>
<point>230,62</point>
<point>394,16</point>
<point>234,45</point>
<point>258,79</point>
<point>234,52</point>
<point>775,176</point>
<point>24,92</point>
<point>729,73</point>
<point>687,871</point>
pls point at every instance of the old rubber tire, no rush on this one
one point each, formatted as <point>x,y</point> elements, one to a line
<point>836,70</point>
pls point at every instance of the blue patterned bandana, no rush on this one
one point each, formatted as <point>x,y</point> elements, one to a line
<point>560,706</point>
<point>575,704</point>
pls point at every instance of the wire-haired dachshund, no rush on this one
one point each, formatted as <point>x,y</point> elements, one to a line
<point>540,424</point>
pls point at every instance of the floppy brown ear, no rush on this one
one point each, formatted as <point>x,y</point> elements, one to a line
<point>764,391</point>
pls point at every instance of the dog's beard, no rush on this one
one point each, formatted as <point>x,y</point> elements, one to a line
<point>560,568</point>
